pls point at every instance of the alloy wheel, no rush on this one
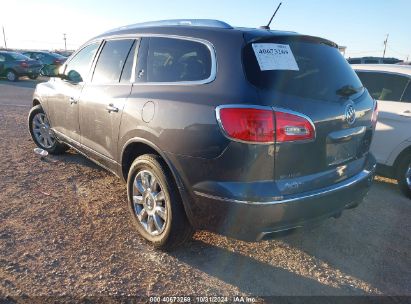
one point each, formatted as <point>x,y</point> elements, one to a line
<point>149,202</point>
<point>42,131</point>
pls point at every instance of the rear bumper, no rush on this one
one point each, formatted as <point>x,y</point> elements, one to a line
<point>252,220</point>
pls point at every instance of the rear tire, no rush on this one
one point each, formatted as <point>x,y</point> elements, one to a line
<point>404,175</point>
<point>147,178</point>
<point>11,76</point>
<point>39,130</point>
<point>33,77</point>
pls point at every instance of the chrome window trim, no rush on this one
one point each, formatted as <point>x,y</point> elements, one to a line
<point>208,44</point>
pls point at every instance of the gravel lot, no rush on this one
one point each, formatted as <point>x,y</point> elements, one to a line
<point>65,230</point>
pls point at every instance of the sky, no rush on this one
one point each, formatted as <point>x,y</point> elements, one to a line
<point>361,25</point>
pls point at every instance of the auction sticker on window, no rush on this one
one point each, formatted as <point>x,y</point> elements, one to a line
<point>272,56</point>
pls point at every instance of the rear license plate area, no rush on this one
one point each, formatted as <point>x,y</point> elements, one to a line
<point>341,152</point>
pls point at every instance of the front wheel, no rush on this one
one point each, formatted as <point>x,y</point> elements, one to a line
<point>155,204</point>
<point>404,175</point>
<point>42,133</point>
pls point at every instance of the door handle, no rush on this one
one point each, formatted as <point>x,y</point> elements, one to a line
<point>111,108</point>
<point>406,113</point>
<point>72,100</point>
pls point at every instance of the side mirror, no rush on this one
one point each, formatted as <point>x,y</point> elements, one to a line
<point>74,76</point>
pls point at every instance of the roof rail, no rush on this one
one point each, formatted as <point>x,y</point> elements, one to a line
<point>177,22</point>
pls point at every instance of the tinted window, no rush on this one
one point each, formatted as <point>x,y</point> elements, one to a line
<point>111,61</point>
<point>369,61</point>
<point>17,56</point>
<point>407,94</point>
<point>77,69</point>
<point>173,60</point>
<point>128,67</point>
<point>322,70</point>
<point>384,86</point>
<point>354,61</point>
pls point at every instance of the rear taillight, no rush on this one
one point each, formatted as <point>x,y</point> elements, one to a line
<point>264,125</point>
<point>374,116</point>
<point>24,64</point>
<point>293,127</point>
<point>247,124</point>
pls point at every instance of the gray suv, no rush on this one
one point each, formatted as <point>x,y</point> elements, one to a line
<point>242,131</point>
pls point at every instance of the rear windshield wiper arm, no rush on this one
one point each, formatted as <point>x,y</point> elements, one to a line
<point>348,90</point>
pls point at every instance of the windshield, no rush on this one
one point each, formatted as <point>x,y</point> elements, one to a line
<point>321,72</point>
<point>17,56</point>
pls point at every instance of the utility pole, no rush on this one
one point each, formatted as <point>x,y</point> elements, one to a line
<point>385,45</point>
<point>65,42</point>
<point>4,37</point>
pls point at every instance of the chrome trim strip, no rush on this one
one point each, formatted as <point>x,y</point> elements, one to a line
<point>281,200</point>
<point>208,44</point>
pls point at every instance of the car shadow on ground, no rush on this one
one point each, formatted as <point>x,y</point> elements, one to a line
<point>342,250</point>
<point>368,250</point>
<point>249,274</point>
<point>73,157</point>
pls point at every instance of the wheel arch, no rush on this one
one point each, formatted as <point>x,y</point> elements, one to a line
<point>400,156</point>
<point>136,147</point>
<point>36,102</point>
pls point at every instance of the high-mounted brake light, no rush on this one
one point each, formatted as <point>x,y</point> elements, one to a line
<point>264,125</point>
<point>374,116</point>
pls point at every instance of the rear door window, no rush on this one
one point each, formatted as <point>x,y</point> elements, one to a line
<point>177,60</point>
<point>384,86</point>
<point>128,66</point>
<point>111,61</point>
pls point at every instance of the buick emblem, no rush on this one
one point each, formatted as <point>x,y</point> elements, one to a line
<point>350,114</point>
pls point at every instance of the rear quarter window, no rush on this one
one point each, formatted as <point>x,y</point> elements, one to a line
<point>177,60</point>
<point>384,86</point>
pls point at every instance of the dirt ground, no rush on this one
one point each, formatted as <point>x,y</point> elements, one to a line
<point>65,231</point>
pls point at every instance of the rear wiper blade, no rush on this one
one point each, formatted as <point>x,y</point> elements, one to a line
<point>348,90</point>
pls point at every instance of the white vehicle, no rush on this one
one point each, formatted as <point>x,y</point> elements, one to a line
<point>390,85</point>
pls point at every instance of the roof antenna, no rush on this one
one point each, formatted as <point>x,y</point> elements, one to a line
<point>267,27</point>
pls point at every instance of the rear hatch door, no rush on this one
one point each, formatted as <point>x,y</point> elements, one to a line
<point>313,79</point>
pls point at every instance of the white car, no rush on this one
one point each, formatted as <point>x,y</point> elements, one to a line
<point>390,85</point>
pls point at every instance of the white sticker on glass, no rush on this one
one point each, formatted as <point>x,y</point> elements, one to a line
<point>272,56</point>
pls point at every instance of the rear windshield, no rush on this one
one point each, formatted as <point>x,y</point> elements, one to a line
<point>311,70</point>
